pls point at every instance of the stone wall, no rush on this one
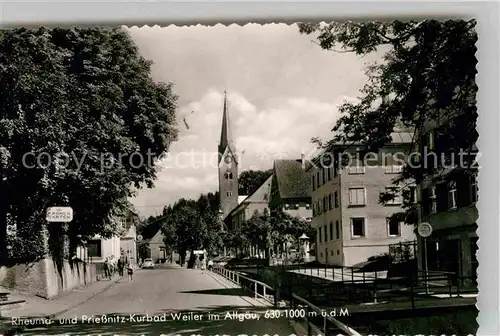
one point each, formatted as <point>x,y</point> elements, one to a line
<point>43,279</point>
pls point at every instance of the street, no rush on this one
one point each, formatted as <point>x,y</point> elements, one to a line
<point>167,300</point>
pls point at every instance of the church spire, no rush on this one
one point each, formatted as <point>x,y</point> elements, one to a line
<point>226,139</point>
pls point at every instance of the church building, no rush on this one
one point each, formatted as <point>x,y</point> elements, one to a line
<point>228,167</point>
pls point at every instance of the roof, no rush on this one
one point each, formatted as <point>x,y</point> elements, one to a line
<point>258,196</point>
<point>151,230</point>
<point>397,138</point>
<point>241,198</point>
<point>292,179</point>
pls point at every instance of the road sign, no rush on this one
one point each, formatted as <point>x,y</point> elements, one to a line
<point>424,230</point>
<point>59,214</point>
<point>198,252</point>
<point>139,237</point>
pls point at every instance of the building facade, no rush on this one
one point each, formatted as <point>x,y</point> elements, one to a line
<point>290,189</point>
<point>128,240</point>
<point>448,202</point>
<point>256,203</point>
<point>124,244</point>
<point>351,224</point>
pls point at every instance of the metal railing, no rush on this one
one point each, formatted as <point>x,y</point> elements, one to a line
<point>260,289</point>
<point>311,314</point>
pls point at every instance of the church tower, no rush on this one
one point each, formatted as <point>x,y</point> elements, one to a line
<point>228,166</point>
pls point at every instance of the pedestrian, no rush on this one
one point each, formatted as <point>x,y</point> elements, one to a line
<point>120,265</point>
<point>106,267</point>
<point>130,272</point>
<point>210,265</point>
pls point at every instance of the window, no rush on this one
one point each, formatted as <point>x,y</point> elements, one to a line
<point>336,199</point>
<point>430,141</point>
<point>325,233</point>
<point>357,167</point>
<point>335,172</point>
<point>94,248</point>
<point>330,202</point>
<point>393,164</point>
<point>357,227</point>
<point>331,253</point>
<point>313,184</point>
<point>324,175</point>
<point>337,229</point>
<point>329,170</point>
<point>429,200</point>
<point>319,235</point>
<point>229,193</point>
<point>228,175</point>
<point>314,210</point>
<point>338,252</point>
<point>412,193</point>
<point>452,195</point>
<point>331,230</point>
<point>398,199</point>
<point>357,196</point>
<point>320,210</point>
<point>325,206</point>
<point>433,200</point>
<point>317,180</point>
<point>474,193</point>
<point>393,228</point>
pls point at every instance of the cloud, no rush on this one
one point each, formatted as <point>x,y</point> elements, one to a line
<point>282,91</point>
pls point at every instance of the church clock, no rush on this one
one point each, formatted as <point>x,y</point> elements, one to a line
<point>228,160</point>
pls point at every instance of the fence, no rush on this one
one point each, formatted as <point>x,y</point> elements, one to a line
<point>403,251</point>
<point>348,286</point>
<point>309,312</point>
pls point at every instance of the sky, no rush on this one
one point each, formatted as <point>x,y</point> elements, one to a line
<point>282,90</point>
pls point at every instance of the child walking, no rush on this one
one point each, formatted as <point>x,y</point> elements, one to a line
<point>130,272</point>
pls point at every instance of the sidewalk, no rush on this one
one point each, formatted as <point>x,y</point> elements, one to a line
<point>40,307</point>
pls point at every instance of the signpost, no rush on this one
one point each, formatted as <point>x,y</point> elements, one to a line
<point>425,230</point>
<point>59,214</point>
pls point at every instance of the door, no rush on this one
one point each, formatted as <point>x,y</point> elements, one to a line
<point>450,255</point>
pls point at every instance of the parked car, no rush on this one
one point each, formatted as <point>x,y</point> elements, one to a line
<point>148,263</point>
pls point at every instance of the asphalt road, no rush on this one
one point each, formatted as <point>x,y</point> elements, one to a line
<point>168,301</point>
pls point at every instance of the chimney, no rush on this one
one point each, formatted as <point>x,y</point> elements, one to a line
<point>303,160</point>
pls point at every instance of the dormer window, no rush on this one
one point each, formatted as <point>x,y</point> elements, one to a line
<point>228,175</point>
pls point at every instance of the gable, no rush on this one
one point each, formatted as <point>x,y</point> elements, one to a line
<point>263,193</point>
<point>158,237</point>
<point>228,151</point>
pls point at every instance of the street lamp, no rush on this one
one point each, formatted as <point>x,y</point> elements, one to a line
<point>304,239</point>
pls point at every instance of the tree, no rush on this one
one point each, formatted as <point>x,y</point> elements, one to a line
<point>427,73</point>
<point>271,231</point>
<point>191,225</point>
<point>82,100</point>
<point>249,181</point>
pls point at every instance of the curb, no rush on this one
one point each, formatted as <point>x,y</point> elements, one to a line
<point>54,315</point>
